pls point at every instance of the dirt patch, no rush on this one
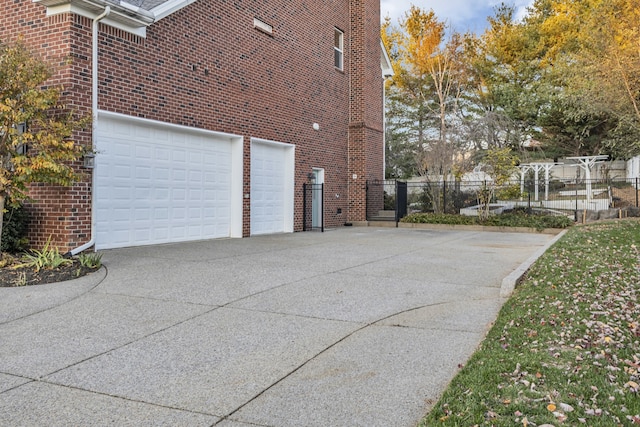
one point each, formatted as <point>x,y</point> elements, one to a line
<point>624,197</point>
<point>13,275</point>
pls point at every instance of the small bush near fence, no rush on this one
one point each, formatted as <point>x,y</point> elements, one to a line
<point>514,218</point>
<point>14,230</point>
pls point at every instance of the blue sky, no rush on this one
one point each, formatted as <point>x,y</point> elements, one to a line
<point>461,15</point>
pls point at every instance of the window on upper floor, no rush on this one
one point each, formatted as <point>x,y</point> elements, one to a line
<point>338,49</point>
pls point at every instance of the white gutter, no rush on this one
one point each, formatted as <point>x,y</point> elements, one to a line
<point>94,127</point>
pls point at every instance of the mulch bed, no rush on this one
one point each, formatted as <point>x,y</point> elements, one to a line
<point>10,276</point>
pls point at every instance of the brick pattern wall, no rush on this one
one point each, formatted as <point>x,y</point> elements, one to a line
<point>61,214</point>
<point>189,71</point>
<point>207,66</point>
<point>365,143</point>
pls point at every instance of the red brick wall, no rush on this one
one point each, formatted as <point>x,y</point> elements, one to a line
<point>59,213</point>
<point>206,66</point>
<point>190,71</point>
<point>366,144</point>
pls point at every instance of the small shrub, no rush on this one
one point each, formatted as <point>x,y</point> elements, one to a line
<point>510,192</point>
<point>14,230</point>
<point>512,219</point>
<point>48,258</point>
<point>556,185</point>
<point>90,260</point>
<point>522,219</point>
<point>432,218</point>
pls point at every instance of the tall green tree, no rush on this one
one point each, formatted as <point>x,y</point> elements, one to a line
<point>36,131</point>
<point>503,76</point>
<point>423,93</point>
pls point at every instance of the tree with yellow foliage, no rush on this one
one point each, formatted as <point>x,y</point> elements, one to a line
<point>592,51</point>
<point>427,84</point>
<point>36,131</point>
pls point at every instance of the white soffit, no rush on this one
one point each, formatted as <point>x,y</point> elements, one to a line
<point>124,14</point>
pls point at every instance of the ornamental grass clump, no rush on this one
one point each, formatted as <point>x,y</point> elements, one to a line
<point>49,257</point>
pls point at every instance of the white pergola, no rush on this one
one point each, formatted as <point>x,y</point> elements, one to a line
<point>587,163</point>
<point>537,167</point>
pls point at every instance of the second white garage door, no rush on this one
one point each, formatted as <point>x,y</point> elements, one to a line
<point>272,187</point>
<point>159,183</point>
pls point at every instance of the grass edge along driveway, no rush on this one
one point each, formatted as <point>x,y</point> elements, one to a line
<point>565,349</point>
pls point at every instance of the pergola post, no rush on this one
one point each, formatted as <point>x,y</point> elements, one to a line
<point>523,171</point>
<point>537,167</point>
<point>586,163</point>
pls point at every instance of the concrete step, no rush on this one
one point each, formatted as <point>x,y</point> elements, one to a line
<point>386,214</point>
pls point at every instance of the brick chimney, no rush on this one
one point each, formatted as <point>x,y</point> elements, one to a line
<point>366,146</point>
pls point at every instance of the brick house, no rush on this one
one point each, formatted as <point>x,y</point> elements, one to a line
<point>209,116</point>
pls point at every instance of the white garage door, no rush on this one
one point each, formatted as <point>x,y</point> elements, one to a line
<point>272,168</point>
<point>158,183</point>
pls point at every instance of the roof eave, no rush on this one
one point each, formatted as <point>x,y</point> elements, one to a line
<point>170,7</point>
<point>129,19</point>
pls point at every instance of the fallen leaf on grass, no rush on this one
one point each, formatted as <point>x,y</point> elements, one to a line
<point>566,408</point>
<point>633,386</point>
<point>560,416</point>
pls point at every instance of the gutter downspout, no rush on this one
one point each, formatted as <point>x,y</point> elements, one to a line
<point>94,127</point>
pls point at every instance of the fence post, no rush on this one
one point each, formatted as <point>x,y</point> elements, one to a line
<point>322,207</point>
<point>304,206</point>
<point>444,196</point>
<point>366,199</point>
<point>637,188</point>
<point>401,201</point>
<point>397,203</point>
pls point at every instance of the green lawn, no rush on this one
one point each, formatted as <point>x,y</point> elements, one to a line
<point>565,349</point>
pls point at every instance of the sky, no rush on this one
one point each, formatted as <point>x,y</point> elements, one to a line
<point>461,15</point>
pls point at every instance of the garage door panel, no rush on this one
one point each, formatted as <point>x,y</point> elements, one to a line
<point>271,176</point>
<point>178,194</point>
<point>142,172</point>
<point>142,214</point>
<point>160,186</point>
<point>143,235</point>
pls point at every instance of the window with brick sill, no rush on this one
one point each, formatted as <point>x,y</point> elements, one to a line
<point>338,49</point>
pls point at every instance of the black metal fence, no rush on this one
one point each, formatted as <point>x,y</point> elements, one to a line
<point>313,207</point>
<point>390,200</point>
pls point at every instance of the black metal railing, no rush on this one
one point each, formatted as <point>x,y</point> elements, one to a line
<point>392,199</point>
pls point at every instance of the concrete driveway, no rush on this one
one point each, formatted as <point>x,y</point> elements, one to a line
<point>351,327</point>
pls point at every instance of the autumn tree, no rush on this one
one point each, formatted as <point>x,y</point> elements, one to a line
<point>591,49</point>
<point>35,129</point>
<point>424,90</point>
